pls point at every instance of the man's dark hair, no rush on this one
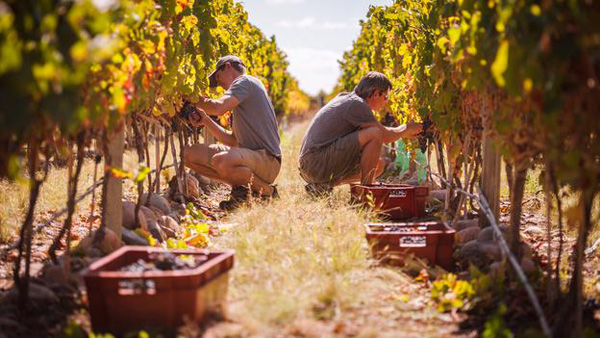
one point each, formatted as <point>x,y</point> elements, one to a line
<point>371,83</point>
<point>238,67</point>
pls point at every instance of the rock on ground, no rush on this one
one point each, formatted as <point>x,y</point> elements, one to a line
<point>169,222</point>
<point>438,194</point>
<point>467,235</point>
<point>466,223</point>
<point>131,237</point>
<point>129,219</point>
<point>157,201</point>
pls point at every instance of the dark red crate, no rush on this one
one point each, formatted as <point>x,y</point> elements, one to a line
<point>396,201</point>
<point>164,300</point>
<point>432,241</point>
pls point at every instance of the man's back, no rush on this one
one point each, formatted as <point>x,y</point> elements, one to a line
<point>254,121</point>
<point>340,117</point>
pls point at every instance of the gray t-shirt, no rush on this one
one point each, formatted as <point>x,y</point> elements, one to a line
<point>340,117</point>
<point>253,120</point>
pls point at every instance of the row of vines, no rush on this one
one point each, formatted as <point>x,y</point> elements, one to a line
<point>73,77</point>
<point>523,75</point>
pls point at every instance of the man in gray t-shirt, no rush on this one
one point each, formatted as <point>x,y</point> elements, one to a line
<point>249,157</point>
<point>344,140</point>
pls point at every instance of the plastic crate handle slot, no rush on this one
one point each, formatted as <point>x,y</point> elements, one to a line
<point>413,241</point>
<point>137,286</point>
<point>400,193</point>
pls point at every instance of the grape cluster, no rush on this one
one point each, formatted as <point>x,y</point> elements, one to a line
<point>187,110</point>
<point>426,135</point>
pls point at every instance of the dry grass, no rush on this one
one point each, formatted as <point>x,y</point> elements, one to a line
<point>303,269</point>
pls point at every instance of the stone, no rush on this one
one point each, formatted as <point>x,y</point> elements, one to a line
<point>412,181</point>
<point>111,242</point>
<point>491,250</point>
<point>193,187</point>
<point>471,252</point>
<point>156,211</point>
<point>488,234</point>
<point>466,223</point>
<point>157,201</point>
<point>528,265</point>
<point>153,226</point>
<point>93,253</point>
<point>148,213</point>
<point>495,269</point>
<point>54,274</point>
<point>169,222</point>
<point>467,235</point>
<point>38,294</point>
<point>438,194</point>
<point>156,232</point>
<point>10,325</point>
<point>131,237</point>
<point>527,251</point>
<point>175,216</point>
<point>478,253</point>
<point>129,219</point>
<point>169,233</point>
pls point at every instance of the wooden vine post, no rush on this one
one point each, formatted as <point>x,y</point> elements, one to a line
<point>114,203</point>
<point>490,175</point>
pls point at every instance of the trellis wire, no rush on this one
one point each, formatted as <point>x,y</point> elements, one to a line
<point>481,200</point>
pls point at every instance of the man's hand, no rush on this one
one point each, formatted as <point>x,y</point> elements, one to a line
<point>199,118</point>
<point>410,129</point>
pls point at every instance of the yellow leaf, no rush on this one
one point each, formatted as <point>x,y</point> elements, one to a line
<point>527,85</point>
<point>501,64</point>
<point>79,51</point>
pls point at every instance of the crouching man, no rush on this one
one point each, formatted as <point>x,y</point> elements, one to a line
<point>249,157</point>
<point>344,140</point>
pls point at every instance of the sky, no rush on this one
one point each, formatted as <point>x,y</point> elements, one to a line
<point>313,33</point>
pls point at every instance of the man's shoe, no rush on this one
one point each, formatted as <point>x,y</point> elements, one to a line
<point>239,196</point>
<point>274,195</point>
<point>318,189</point>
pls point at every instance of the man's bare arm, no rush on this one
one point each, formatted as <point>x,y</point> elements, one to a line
<point>219,106</point>
<point>391,134</point>
<point>221,134</point>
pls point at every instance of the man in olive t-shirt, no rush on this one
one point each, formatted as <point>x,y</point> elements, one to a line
<point>250,154</point>
<point>344,140</point>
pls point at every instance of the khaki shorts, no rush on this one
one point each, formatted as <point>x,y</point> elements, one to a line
<point>333,162</point>
<point>262,164</point>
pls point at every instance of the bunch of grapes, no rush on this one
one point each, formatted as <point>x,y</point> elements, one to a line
<point>426,135</point>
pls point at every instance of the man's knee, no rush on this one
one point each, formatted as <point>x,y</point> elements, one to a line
<point>220,162</point>
<point>188,155</point>
<point>370,134</point>
<point>195,154</point>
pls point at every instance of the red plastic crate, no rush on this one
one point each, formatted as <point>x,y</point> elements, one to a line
<point>396,201</point>
<point>163,298</point>
<point>432,241</point>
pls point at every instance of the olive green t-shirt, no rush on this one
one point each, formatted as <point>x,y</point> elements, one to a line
<point>253,120</point>
<point>341,116</point>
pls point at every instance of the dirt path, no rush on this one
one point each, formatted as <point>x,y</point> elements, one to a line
<point>303,270</point>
